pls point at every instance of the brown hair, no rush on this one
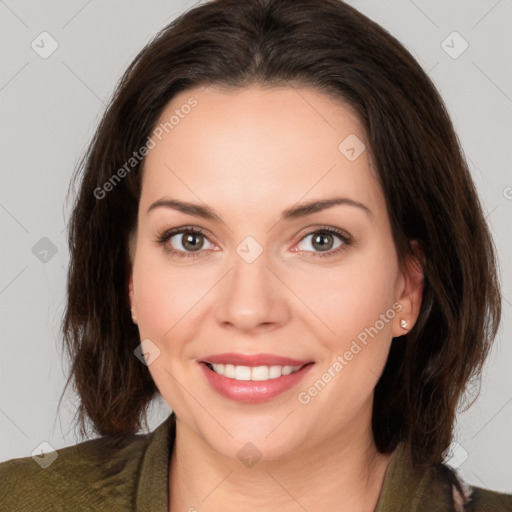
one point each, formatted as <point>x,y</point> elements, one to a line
<point>428,188</point>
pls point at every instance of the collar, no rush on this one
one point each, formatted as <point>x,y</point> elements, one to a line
<point>414,489</point>
<point>153,485</point>
<point>405,488</point>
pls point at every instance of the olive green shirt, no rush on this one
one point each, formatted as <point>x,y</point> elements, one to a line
<point>91,476</point>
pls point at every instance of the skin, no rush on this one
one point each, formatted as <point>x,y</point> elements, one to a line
<point>249,154</point>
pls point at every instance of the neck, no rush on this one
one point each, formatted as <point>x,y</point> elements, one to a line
<point>344,474</point>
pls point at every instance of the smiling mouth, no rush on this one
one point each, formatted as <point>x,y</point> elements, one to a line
<point>253,373</point>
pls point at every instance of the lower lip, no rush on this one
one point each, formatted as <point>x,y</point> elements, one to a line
<point>253,391</point>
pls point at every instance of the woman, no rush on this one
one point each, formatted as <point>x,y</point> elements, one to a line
<point>277,232</point>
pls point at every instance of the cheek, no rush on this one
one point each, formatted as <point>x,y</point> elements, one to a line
<point>351,297</point>
<point>165,294</point>
<point>366,321</point>
<point>356,304</point>
<point>167,297</point>
<point>367,295</point>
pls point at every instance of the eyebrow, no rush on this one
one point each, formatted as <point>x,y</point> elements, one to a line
<point>295,212</point>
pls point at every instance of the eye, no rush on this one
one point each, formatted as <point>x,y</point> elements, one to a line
<point>192,242</point>
<point>329,241</point>
<point>184,242</point>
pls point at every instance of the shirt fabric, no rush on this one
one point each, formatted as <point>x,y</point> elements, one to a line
<point>91,476</point>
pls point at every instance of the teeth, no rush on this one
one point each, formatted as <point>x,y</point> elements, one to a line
<point>253,372</point>
<point>242,373</point>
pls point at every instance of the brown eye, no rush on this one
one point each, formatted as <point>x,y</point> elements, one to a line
<point>184,242</point>
<point>188,241</point>
<point>324,242</point>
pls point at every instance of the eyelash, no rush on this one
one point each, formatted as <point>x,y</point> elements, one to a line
<point>165,236</point>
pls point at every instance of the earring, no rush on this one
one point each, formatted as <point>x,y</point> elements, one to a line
<point>134,318</point>
<point>404,324</point>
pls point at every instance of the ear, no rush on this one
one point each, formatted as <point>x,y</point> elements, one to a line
<point>130,289</point>
<point>133,305</point>
<point>131,254</point>
<point>409,292</point>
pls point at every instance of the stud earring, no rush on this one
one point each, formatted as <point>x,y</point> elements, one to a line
<point>404,324</point>
<point>134,318</point>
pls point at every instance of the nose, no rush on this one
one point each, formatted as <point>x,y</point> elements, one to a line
<point>252,297</point>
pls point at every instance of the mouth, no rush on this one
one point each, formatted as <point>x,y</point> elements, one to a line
<point>253,373</point>
<point>253,379</point>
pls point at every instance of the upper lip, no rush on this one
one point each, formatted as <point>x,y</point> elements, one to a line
<point>253,360</point>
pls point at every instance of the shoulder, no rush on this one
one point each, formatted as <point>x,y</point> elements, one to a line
<point>87,476</point>
<point>483,500</point>
<point>433,488</point>
<point>469,498</point>
<point>486,500</point>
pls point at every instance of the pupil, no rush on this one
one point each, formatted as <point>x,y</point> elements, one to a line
<point>323,241</point>
<point>189,242</point>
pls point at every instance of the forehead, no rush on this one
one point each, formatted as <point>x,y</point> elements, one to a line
<point>255,146</point>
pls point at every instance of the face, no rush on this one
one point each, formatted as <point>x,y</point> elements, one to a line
<point>255,283</point>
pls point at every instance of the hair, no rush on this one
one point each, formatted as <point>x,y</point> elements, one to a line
<point>429,193</point>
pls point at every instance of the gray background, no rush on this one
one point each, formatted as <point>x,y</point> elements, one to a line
<point>50,107</point>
